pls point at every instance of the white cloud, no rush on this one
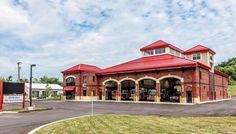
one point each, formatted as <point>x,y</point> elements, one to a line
<point>58,34</point>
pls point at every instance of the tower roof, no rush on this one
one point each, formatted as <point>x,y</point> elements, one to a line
<point>198,48</point>
<point>160,44</point>
<point>82,67</point>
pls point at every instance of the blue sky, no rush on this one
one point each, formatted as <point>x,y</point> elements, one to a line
<point>57,34</point>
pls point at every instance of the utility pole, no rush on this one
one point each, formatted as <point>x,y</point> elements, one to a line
<point>30,90</point>
<point>18,70</point>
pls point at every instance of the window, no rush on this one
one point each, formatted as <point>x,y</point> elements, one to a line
<point>159,50</point>
<point>172,51</point>
<point>43,94</point>
<point>84,79</point>
<point>197,56</point>
<point>93,78</point>
<point>84,92</point>
<point>54,93</point>
<point>176,53</point>
<point>148,52</point>
<point>211,58</point>
<point>70,81</point>
<point>35,93</point>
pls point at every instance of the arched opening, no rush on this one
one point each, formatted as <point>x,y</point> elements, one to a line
<point>111,90</point>
<point>147,90</point>
<point>170,90</point>
<point>127,90</point>
<point>70,88</point>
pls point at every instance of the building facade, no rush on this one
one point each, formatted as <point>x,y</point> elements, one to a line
<point>163,73</point>
<point>40,90</point>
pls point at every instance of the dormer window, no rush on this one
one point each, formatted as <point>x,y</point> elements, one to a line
<point>197,56</point>
<point>174,52</point>
<point>148,52</point>
<point>211,58</point>
<point>159,50</point>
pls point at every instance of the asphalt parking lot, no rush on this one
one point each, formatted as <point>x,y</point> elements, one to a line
<point>22,123</point>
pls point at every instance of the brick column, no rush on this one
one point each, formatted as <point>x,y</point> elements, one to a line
<point>182,98</point>
<point>118,98</point>
<point>103,93</point>
<point>136,97</point>
<point>158,94</point>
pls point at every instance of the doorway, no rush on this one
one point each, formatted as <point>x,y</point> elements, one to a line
<point>189,96</point>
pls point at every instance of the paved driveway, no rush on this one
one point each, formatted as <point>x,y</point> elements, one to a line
<point>24,122</point>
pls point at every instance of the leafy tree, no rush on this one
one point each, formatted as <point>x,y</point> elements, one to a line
<point>49,80</point>
<point>9,79</point>
<point>48,91</point>
<point>228,67</point>
<point>35,80</point>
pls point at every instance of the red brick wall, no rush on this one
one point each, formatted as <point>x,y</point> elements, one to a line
<point>203,84</point>
<point>221,86</point>
<point>91,85</point>
<point>195,79</point>
<point>188,74</point>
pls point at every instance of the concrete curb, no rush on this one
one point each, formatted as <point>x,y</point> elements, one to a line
<point>206,102</point>
<point>40,127</point>
<point>143,102</point>
<point>10,112</point>
<point>132,102</point>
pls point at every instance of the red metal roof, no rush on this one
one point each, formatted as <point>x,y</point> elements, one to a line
<point>160,44</point>
<point>198,48</point>
<point>157,62</point>
<point>220,73</point>
<point>82,67</point>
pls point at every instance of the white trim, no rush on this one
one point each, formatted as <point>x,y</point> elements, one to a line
<point>170,76</point>
<point>110,79</point>
<point>127,78</point>
<point>197,59</point>
<point>70,76</point>
<point>147,77</point>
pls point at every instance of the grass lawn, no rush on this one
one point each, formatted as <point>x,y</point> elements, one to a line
<point>125,124</point>
<point>232,90</point>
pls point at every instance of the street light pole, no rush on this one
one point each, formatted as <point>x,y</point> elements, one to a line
<point>18,70</point>
<point>30,90</point>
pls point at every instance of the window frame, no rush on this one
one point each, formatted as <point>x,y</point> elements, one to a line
<point>84,78</point>
<point>196,56</point>
<point>70,81</point>
<point>148,52</point>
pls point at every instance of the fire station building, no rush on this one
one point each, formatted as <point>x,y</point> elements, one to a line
<point>163,73</point>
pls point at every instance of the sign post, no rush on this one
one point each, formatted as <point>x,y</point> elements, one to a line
<point>1,95</point>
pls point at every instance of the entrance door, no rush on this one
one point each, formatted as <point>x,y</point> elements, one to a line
<point>189,96</point>
<point>70,95</point>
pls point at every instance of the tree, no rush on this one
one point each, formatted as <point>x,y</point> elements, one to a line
<point>49,80</point>
<point>9,79</point>
<point>228,67</point>
<point>48,91</point>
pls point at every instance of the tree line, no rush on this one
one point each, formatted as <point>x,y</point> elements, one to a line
<point>43,80</point>
<point>228,67</point>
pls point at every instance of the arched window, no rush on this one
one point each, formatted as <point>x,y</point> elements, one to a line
<point>70,81</point>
